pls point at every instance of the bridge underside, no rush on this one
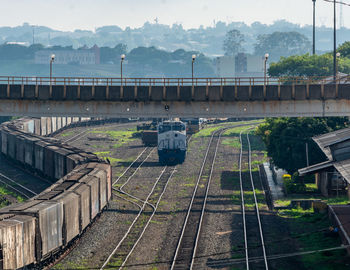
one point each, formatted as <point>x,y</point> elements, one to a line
<point>175,101</point>
<point>209,109</point>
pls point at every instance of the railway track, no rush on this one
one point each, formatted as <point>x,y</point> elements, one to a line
<point>134,234</point>
<point>254,233</point>
<point>184,257</point>
<point>16,187</point>
<point>255,236</point>
<point>254,246</point>
<point>148,207</point>
<point>83,133</point>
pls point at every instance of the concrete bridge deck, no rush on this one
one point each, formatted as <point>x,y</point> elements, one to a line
<point>200,97</point>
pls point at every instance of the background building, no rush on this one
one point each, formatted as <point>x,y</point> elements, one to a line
<point>82,56</point>
<point>241,65</point>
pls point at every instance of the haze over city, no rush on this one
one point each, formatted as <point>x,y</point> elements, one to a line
<point>88,14</point>
<point>175,134</point>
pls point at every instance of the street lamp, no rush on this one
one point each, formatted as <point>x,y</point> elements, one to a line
<point>122,57</point>
<point>51,61</point>
<point>313,29</point>
<point>265,71</point>
<point>337,57</point>
<point>193,59</point>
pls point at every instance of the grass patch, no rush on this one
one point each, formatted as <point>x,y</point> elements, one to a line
<point>310,229</point>
<point>68,133</point>
<point>233,142</point>
<point>338,200</point>
<point>206,132</point>
<point>103,154</point>
<point>5,191</point>
<point>341,200</point>
<point>311,188</point>
<point>188,185</point>
<point>295,213</point>
<point>121,136</point>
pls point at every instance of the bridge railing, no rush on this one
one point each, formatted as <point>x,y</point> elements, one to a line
<point>227,81</point>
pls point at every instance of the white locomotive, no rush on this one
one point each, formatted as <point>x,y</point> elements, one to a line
<point>172,143</point>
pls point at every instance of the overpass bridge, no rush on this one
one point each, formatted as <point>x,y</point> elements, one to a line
<point>173,97</point>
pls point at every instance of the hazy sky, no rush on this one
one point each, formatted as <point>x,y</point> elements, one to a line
<point>89,14</point>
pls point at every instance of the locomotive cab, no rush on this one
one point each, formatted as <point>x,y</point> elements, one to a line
<point>171,142</point>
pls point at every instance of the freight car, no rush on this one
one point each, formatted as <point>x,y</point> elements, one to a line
<point>36,230</point>
<point>172,143</point>
<point>150,137</point>
<point>193,125</point>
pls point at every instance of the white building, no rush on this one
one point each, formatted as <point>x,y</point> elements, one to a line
<point>242,65</point>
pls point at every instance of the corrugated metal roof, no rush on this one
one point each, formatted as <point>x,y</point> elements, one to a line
<point>326,140</point>
<point>343,167</point>
<point>315,168</point>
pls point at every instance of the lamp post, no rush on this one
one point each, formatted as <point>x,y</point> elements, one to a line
<point>337,67</point>
<point>265,71</point>
<point>193,59</point>
<point>51,61</point>
<point>122,57</point>
<point>313,28</point>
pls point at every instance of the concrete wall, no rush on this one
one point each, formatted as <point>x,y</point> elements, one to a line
<point>151,92</point>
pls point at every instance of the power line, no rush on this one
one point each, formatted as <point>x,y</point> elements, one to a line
<point>337,2</point>
<point>227,262</point>
<point>242,260</point>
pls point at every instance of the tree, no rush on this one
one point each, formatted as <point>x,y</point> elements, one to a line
<point>233,42</point>
<point>344,49</point>
<point>280,44</point>
<point>285,139</point>
<point>308,65</point>
<point>112,54</point>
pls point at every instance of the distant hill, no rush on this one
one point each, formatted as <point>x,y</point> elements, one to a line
<point>207,40</point>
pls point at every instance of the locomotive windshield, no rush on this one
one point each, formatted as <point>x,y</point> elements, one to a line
<point>177,126</point>
<point>164,128</point>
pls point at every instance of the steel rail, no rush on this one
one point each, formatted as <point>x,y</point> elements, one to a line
<point>154,207</point>
<point>243,203</point>
<point>145,202</point>
<point>205,201</point>
<point>76,137</point>
<point>191,204</point>
<point>247,260</point>
<point>128,168</point>
<point>17,184</point>
<point>125,193</point>
<point>256,203</point>
<point>230,262</point>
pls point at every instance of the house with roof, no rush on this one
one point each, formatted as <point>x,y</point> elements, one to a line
<point>333,175</point>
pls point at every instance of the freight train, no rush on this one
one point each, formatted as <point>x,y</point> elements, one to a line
<point>36,230</point>
<point>172,143</point>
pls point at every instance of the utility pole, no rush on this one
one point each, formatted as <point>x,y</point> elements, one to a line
<point>122,57</point>
<point>193,59</point>
<point>307,154</point>
<point>335,43</point>
<point>313,27</point>
<point>33,34</point>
